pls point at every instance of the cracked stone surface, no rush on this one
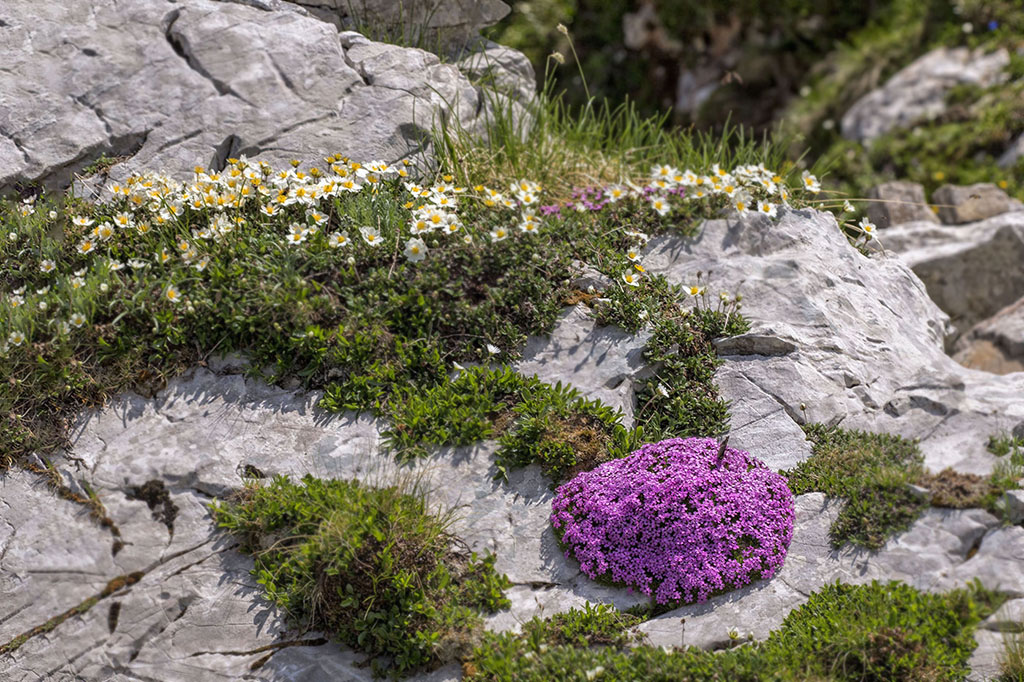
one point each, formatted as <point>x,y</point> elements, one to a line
<point>172,84</point>
<point>868,343</point>
<point>918,91</point>
<point>837,337</point>
<point>970,271</point>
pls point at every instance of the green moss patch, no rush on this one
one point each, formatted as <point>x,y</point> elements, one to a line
<point>881,631</point>
<point>372,567</point>
<point>872,473</point>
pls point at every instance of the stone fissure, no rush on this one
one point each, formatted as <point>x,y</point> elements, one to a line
<point>318,641</point>
<point>114,586</point>
<point>180,45</point>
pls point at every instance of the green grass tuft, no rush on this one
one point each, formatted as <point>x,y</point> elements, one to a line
<point>872,473</point>
<point>881,631</point>
<point>369,566</point>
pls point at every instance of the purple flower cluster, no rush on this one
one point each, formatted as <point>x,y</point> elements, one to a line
<point>675,522</point>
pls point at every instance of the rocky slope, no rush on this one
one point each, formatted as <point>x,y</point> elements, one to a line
<point>164,85</point>
<point>837,337</point>
<point>154,592</point>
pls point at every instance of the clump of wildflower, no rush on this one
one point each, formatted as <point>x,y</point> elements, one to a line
<point>679,520</point>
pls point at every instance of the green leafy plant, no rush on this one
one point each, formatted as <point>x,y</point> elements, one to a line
<point>369,566</point>
<point>881,631</point>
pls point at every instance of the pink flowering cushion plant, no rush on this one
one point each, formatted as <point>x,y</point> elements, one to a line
<point>675,523</point>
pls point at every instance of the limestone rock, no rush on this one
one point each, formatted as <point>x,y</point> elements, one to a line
<point>1009,615</point>
<point>1016,150</point>
<point>167,85</point>
<point>985,659</point>
<point>1015,505</point>
<point>837,337</point>
<point>967,204</point>
<point>426,23</point>
<point>589,277</point>
<point>919,90</point>
<point>971,272</point>
<point>502,69</point>
<point>997,344</point>
<point>898,202</point>
<point>869,342</point>
<point>997,563</point>
<point>602,362</point>
<point>187,608</point>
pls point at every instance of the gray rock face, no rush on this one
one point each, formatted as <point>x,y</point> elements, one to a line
<point>996,344</point>
<point>167,85</point>
<point>967,204</point>
<point>427,23</point>
<point>898,202</point>
<point>1016,150</point>
<point>868,343</point>
<point>502,69</point>
<point>971,272</point>
<point>919,90</point>
<point>187,608</point>
<point>1015,508</point>
<point>602,362</point>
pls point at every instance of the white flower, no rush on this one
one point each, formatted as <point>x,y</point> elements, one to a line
<point>663,390</point>
<point>296,237</point>
<point>415,250</point>
<point>767,208</point>
<point>614,193</point>
<point>136,263</point>
<point>631,278</point>
<point>847,206</point>
<point>43,305</point>
<point>316,217</point>
<point>81,221</point>
<point>811,183</point>
<point>16,338</point>
<point>867,227</point>
<point>742,203</point>
<point>530,224</point>
<point>492,349</point>
<point>660,205</point>
<point>47,266</point>
<point>115,265</point>
<point>16,301</point>
<point>498,233</point>
<point>371,235</point>
<point>77,320</point>
<point>633,255</point>
<point>104,287</point>
<point>77,282</point>
<point>336,240</point>
<point>172,294</point>
<point>696,291</point>
<point>104,231</point>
